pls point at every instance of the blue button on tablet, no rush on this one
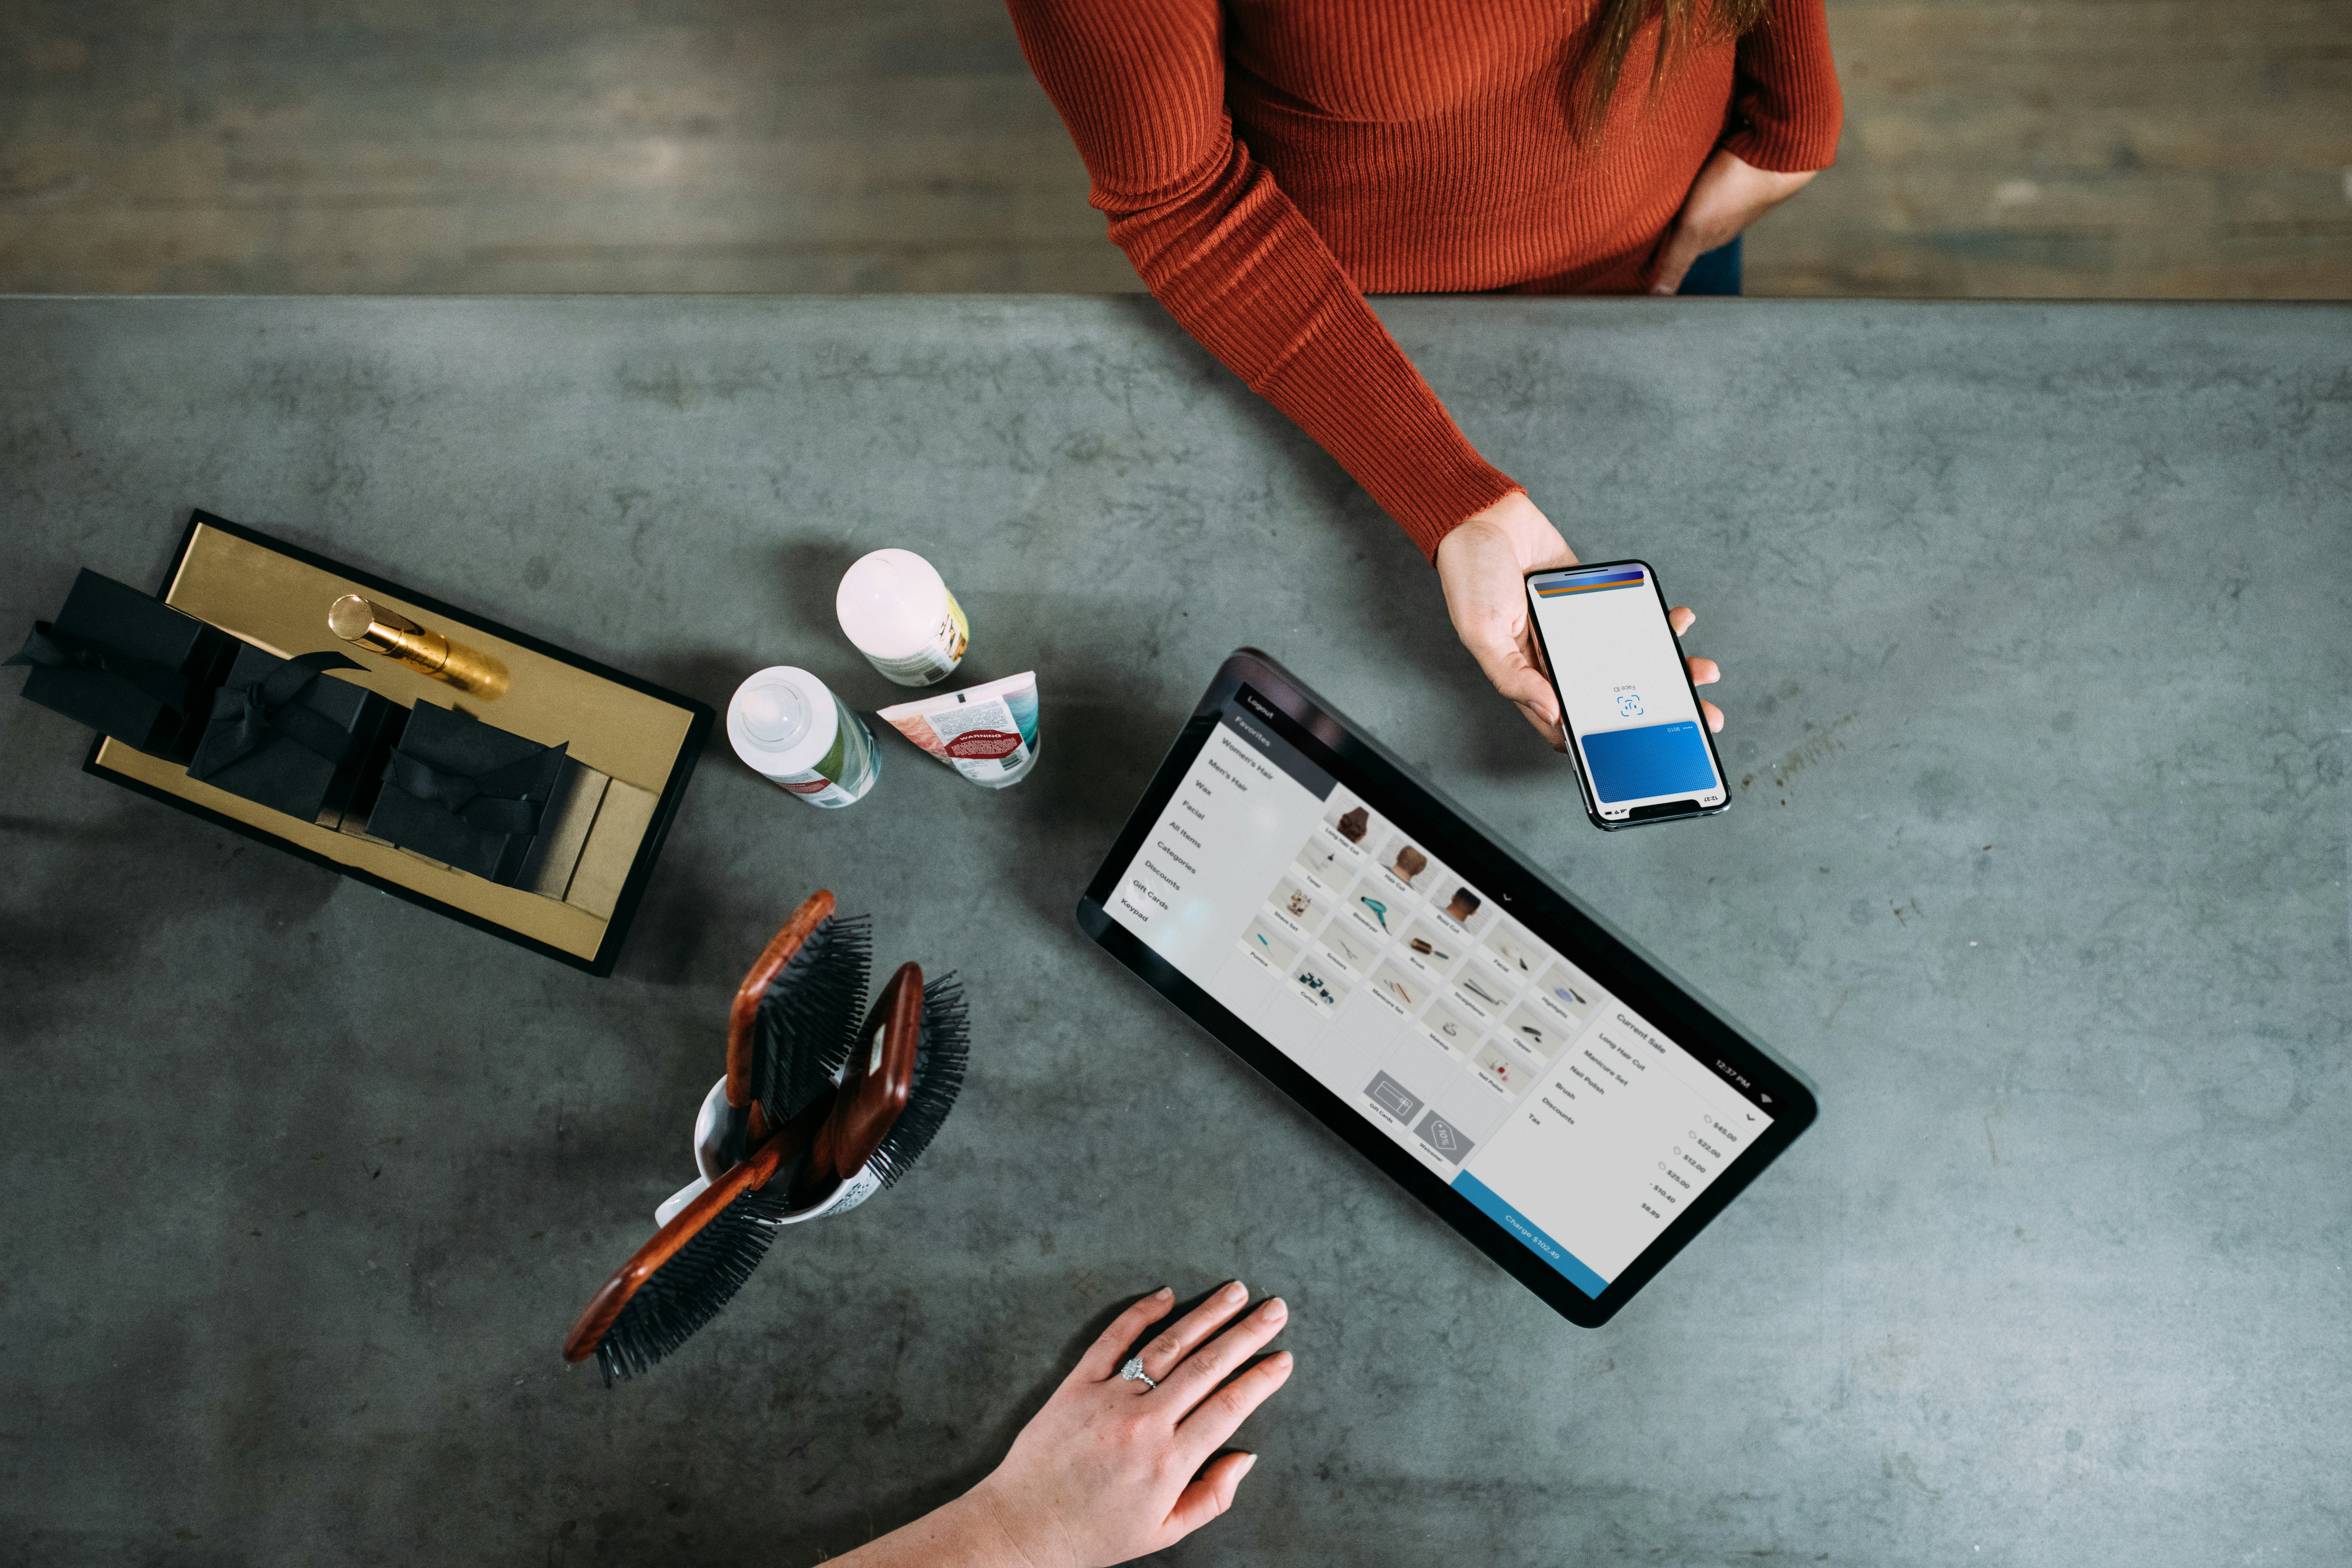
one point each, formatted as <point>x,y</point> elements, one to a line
<point>1529,1235</point>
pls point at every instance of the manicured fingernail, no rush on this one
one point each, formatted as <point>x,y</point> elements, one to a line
<point>1274,1312</point>
<point>1162,1293</point>
<point>1236,1291</point>
<point>1249,1463</point>
<point>1283,1358</point>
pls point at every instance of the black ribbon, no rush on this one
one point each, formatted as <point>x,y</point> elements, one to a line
<point>495,801</point>
<point>61,650</point>
<point>246,718</point>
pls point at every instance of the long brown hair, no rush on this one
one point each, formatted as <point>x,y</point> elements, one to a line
<point>1614,25</point>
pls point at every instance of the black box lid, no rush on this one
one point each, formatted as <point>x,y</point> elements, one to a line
<point>455,745</point>
<point>284,773</point>
<point>130,626</point>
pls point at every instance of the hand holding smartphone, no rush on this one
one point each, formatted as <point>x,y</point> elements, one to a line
<point>1631,716</point>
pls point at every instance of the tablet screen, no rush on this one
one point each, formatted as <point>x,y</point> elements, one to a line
<point>1579,1126</point>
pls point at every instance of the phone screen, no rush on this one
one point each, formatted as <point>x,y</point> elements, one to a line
<point>1623,694</point>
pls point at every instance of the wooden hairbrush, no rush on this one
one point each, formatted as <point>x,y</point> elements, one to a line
<point>901,1081</point>
<point>793,1020</point>
<point>694,1264</point>
<point>853,1140</point>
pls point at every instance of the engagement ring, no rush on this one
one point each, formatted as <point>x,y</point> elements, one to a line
<point>1133,1372</point>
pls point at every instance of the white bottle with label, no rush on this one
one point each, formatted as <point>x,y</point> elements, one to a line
<point>894,607</point>
<point>792,731</point>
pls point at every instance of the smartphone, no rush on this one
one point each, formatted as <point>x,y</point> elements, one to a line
<point>1641,749</point>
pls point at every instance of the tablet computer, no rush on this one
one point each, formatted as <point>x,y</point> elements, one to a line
<point>1522,1069</point>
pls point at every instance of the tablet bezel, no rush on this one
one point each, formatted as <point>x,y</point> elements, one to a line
<point>1530,897</point>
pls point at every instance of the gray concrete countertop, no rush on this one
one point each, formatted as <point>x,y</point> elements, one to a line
<point>2033,626</point>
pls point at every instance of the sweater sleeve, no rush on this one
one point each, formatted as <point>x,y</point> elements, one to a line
<point>1142,86</point>
<point>1786,110</point>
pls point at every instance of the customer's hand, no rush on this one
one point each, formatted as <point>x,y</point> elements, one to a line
<point>1724,200</point>
<point>1482,565</point>
<point>1110,1470</point>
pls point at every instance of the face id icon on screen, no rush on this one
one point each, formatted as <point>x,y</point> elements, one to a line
<point>1393,1097</point>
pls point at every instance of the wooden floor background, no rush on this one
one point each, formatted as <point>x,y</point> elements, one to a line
<point>2115,148</point>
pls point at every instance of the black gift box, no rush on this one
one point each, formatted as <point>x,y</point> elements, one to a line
<point>139,671</point>
<point>316,756</point>
<point>466,794</point>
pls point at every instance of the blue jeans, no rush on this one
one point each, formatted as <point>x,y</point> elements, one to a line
<point>1715,272</point>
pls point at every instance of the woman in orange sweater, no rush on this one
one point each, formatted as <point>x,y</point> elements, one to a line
<point>1266,163</point>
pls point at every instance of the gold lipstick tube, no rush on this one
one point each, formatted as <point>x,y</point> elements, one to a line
<point>361,621</point>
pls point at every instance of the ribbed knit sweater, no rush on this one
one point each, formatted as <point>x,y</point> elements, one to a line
<point>1266,163</point>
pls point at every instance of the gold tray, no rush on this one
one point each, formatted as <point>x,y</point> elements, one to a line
<point>646,739</point>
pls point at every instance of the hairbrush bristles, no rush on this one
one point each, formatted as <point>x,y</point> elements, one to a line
<point>809,1016</point>
<point>939,1057</point>
<point>687,1291</point>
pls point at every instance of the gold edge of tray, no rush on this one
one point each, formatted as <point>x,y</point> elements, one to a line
<point>563,926</point>
<point>279,604</point>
